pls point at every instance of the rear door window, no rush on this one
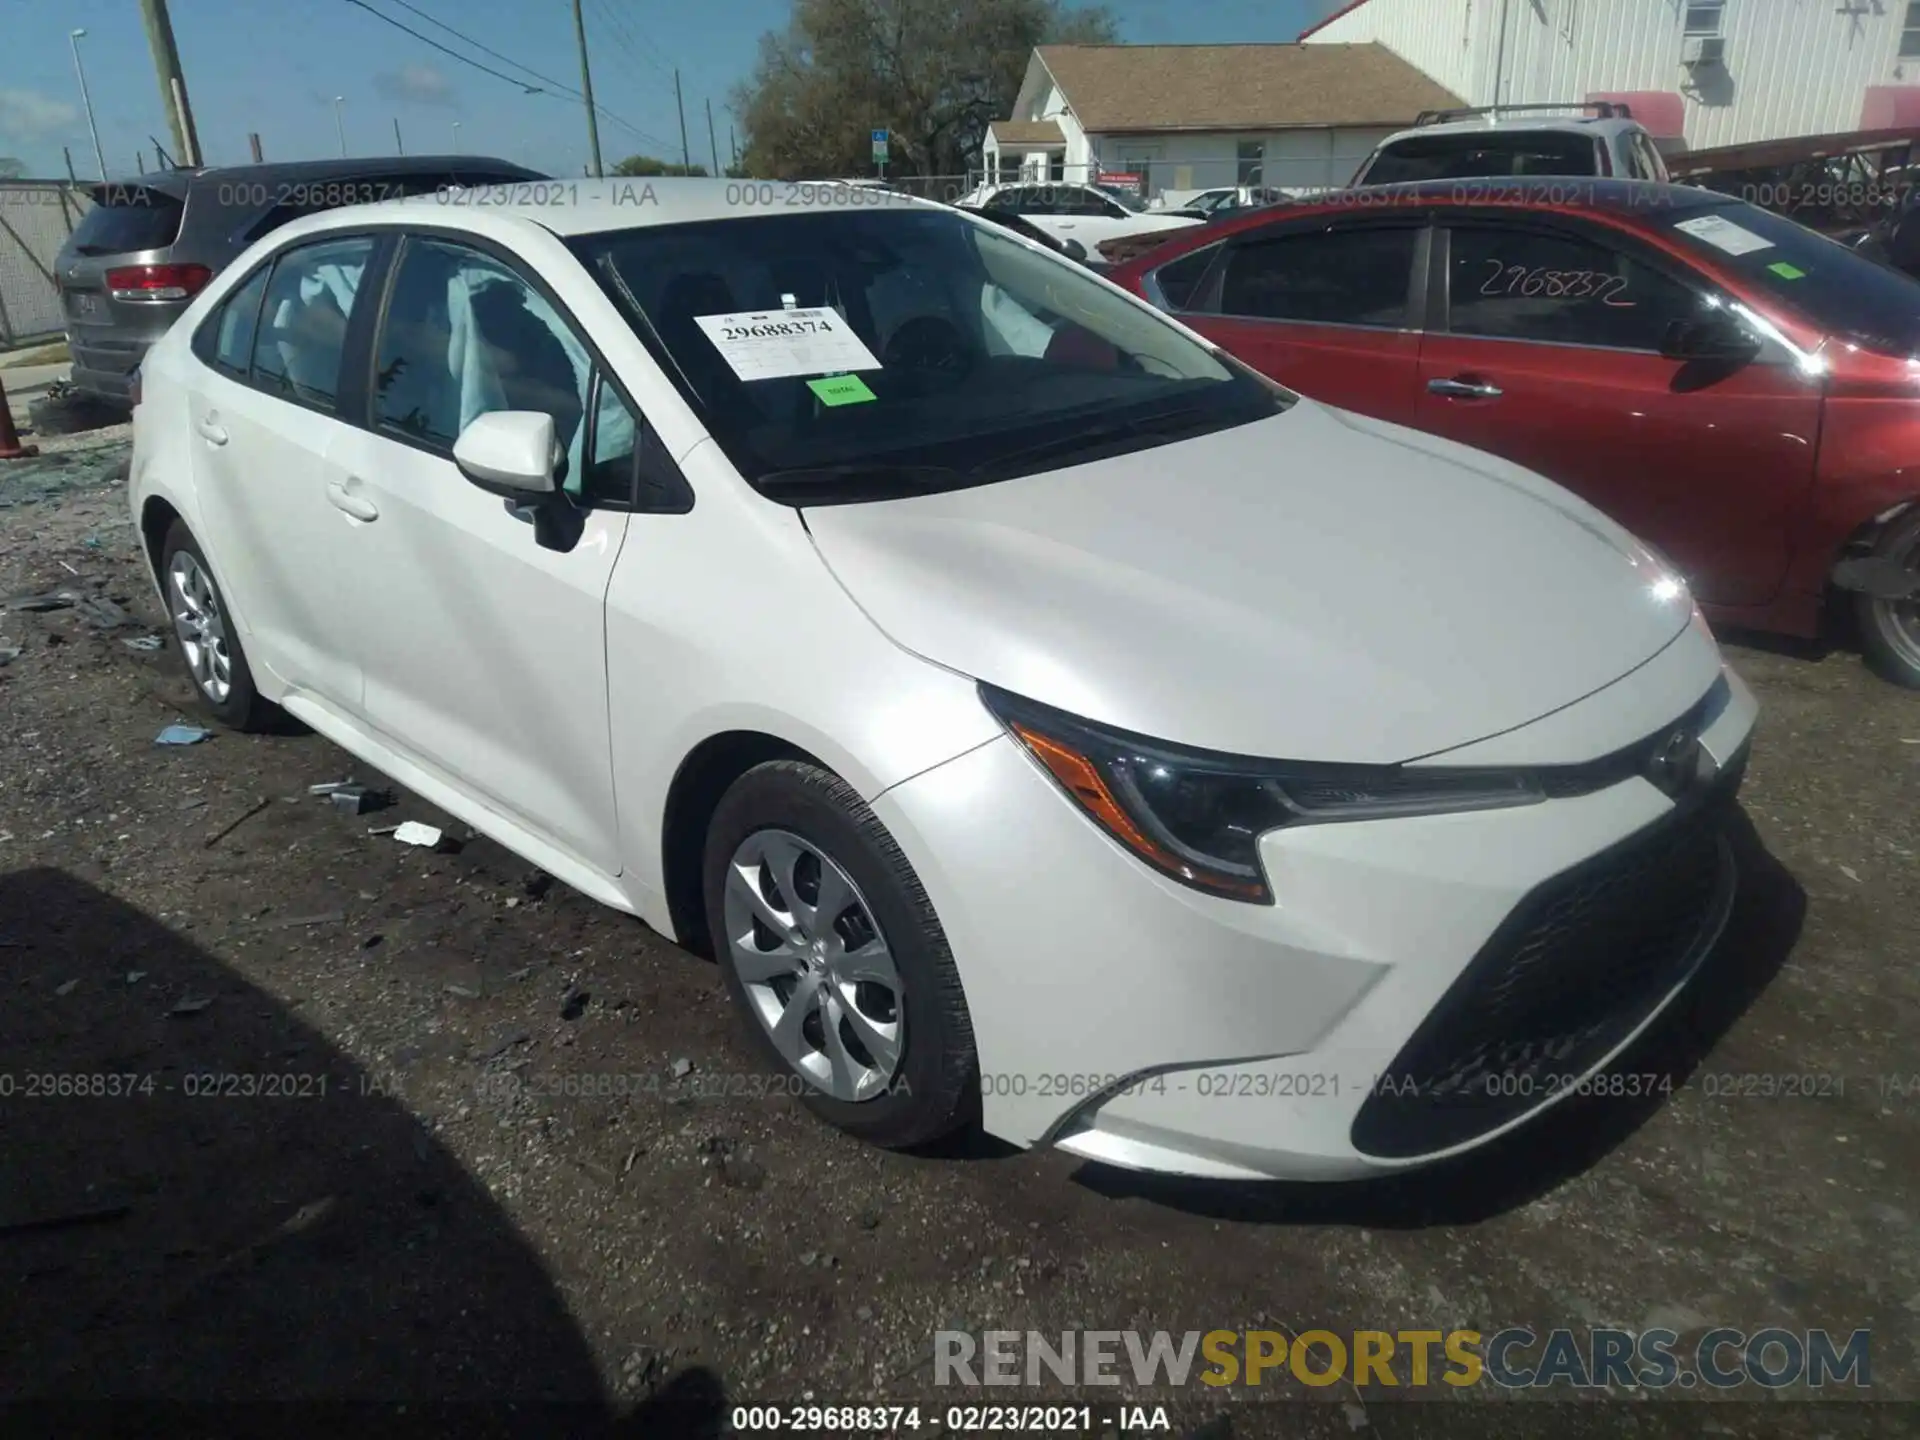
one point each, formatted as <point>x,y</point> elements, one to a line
<point>302,329</point>
<point>1327,277</point>
<point>125,218</point>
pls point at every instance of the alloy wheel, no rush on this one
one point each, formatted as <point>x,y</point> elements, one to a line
<point>815,968</point>
<point>200,625</point>
<point>1900,619</point>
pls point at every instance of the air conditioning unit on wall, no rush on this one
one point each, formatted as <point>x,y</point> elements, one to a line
<point>1701,50</point>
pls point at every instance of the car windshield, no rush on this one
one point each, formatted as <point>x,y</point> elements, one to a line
<point>1126,199</point>
<point>870,354</point>
<point>1462,155</point>
<point>1843,293</point>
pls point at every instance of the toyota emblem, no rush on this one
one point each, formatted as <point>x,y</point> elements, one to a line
<point>1676,763</point>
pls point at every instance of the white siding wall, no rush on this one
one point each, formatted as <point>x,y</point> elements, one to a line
<point>1306,157</point>
<point>1793,67</point>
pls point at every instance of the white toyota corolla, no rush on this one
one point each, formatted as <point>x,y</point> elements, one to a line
<point>1038,715</point>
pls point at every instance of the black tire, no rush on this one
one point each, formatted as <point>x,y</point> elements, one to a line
<point>243,708</point>
<point>1894,655</point>
<point>934,1091</point>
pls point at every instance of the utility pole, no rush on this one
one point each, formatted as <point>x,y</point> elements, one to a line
<point>173,84</point>
<point>733,144</point>
<point>253,145</point>
<point>686,160</point>
<point>586,89</point>
<point>712,144</point>
<point>399,146</point>
<point>340,124</point>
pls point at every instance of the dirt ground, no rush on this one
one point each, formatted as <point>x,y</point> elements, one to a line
<point>437,1216</point>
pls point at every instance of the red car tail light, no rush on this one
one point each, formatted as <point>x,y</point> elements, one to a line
<point>156,282</point>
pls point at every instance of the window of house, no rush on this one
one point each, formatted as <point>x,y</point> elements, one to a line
<point>1518,284</point>
<point>1327,277</point>
<point>1910,34</point>
<point>1703,17</point>
<point>1249,157</point>
<point>1057,166</point>
<point>302,330</point>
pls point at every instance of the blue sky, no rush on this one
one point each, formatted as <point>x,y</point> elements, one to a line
<point>275,65</point>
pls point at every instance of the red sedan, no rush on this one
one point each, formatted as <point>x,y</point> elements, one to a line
<point>1737,390</point>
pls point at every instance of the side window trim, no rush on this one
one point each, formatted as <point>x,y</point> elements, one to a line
<point>1417,316</point>
<point>599,371</point>
<point>1602,237</point>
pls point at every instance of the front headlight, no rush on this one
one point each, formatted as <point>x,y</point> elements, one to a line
<point>1198,815</point>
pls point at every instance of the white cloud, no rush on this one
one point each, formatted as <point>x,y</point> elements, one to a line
<point>29,115</point>
<point>415,85</point>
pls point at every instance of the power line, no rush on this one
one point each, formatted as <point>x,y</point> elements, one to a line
<point>623,38</point>
<point>551,86</point>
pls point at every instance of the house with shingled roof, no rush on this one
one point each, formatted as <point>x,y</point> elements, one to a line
<point>1185,118</point>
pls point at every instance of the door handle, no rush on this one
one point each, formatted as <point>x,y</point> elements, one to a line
<point>358,506</point>
<point>1465,389</point>
<point>211,431</point>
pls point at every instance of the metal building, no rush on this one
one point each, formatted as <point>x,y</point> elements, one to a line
<point>1711,72</point>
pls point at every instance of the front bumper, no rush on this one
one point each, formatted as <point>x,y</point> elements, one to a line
<point>1422,985</point>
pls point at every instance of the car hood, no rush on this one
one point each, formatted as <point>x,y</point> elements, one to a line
<point>1314,586</point>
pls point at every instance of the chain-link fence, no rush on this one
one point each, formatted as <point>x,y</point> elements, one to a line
<point>36,216</point>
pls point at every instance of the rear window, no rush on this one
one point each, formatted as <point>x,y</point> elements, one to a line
<point>125,218</point>
<point>1461,156</point>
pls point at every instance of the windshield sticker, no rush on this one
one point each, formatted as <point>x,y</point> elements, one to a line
<point>841,390</point>
<point>777,344</point>
<point>1786,271</point>
<point>1723,234</point>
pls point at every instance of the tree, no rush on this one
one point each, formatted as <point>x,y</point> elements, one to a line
<point>935,75</point>
<point>11,168</point>
<point>648,165</point>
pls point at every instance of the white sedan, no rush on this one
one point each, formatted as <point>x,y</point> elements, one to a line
<point>1042,718</point>
<point>1089,214</point>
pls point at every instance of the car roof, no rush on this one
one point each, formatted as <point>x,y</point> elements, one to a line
<point>283,172</point>
<point>1637,202</point>
<point>589,207</point>
<point>1561,124</point>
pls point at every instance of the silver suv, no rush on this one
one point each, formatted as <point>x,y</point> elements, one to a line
<point>147,247</point>
<point>1463,144</point>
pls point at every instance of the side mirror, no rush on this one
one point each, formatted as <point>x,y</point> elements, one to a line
<point>510,453</point>
<point>1075,250</point>
<point>1713,337</point>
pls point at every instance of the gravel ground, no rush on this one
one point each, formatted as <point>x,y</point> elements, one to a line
<point>450,1220</point>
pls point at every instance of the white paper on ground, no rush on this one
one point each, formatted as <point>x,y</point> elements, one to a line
<point>1723,234</point>
<point>774,344</point>
<point>412,832</point>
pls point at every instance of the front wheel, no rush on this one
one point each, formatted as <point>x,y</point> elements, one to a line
<point>833,954</point>
<point>1890,629</point>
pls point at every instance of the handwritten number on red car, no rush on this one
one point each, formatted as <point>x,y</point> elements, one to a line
<point>1556,284</point>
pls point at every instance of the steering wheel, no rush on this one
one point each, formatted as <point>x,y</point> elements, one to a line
<point>931,346</point>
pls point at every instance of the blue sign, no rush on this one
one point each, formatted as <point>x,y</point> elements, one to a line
<point>880,137</point>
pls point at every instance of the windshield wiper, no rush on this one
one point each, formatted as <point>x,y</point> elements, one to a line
<point>1155,429</point>
<point>856,480</point>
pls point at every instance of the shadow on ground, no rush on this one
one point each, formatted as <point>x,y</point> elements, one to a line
<point>186,1243</point>
<point>1567,1140</point>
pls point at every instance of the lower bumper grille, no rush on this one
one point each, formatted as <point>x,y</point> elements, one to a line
<point>1575,969</point>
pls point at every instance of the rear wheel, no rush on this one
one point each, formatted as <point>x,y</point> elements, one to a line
<point>208,642</point>
<point>833,954</point>
<point>1890,629</point>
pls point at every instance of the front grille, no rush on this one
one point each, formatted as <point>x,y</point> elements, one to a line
<point>1578,965</point>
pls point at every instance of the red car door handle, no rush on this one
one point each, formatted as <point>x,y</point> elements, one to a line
<point>1463,389</point>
